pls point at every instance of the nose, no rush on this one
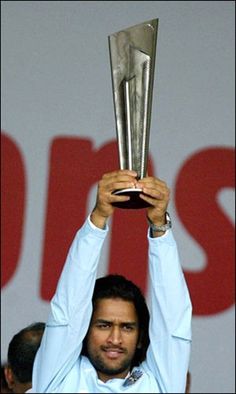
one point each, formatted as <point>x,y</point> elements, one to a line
<point>115,336</point>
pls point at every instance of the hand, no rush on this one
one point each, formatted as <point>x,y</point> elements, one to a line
<point>110,182</point>
<point>156,193</point>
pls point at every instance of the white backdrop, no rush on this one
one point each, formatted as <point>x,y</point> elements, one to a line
<point>56,82</point>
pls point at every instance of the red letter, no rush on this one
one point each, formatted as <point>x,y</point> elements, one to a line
<point>198,182</point>
<point>13,203</point>
<point>74,168</point>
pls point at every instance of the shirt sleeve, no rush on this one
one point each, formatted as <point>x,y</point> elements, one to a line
<point>170,318</point>
<point>70,311</point>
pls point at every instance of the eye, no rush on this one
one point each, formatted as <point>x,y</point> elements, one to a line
<point>103,326</point>
<point>128,327</point>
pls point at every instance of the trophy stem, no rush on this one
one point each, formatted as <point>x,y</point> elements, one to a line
<point>128,123</point>
<point>145,117</point>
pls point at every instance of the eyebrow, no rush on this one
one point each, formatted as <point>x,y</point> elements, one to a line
<point>104,321</point>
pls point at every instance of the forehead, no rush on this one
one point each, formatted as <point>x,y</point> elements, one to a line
<point>115,308</point>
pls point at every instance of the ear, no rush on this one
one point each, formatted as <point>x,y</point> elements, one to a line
<point>9,376</point>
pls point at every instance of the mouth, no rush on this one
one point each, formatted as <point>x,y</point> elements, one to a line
<point>113,353</point>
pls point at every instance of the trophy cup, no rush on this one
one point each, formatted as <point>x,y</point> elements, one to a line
<point>132,57</point>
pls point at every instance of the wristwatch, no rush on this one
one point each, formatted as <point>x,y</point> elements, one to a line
<point>162,228</point>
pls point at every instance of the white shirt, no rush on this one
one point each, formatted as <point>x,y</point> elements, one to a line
<point>59,366</point>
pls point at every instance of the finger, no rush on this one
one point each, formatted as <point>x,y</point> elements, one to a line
<point>152,180</point>
<point>155,193</point>
<point>113,186</point>
<point>161,204</point>
<point>148,199</point>
<point>117,182</point>
<point>122,178</point>
<point>122,185</point>
<point>114,198</point>
<point>152,186</point>
<point>118,173</point>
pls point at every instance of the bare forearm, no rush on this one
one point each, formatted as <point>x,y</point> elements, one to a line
<point>98,220</point>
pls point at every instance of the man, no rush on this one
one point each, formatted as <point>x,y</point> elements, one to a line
<point>96,339</point>
<point>21,353</point>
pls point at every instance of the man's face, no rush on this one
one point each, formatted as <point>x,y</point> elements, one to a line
<point>113,337</point>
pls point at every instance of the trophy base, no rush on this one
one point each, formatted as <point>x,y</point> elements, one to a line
<point>135,202</point>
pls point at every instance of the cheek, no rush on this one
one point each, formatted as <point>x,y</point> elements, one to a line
<point>134,342</point>
<point>95,339</point>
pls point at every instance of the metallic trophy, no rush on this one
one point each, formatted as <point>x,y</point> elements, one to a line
<point>132,58</point>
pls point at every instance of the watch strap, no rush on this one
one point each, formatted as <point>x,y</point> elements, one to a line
<point>163,227</point>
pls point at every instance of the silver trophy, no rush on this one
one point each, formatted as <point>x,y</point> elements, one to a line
<point>132,57</point>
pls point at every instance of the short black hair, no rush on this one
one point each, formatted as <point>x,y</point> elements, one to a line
<point>117,286</point>
<point>22,350</point>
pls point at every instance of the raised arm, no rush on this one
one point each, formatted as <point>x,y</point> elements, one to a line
<point>70,310</point>
<point>170,317</point>
<point>71,306</point>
